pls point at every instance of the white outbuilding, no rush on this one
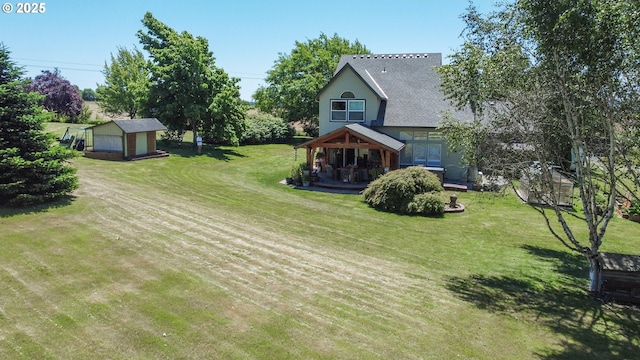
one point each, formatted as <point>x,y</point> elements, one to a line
<point>124,139</point>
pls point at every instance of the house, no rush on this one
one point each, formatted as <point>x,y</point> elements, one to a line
<point>384,111</point>
<point>124,139</point>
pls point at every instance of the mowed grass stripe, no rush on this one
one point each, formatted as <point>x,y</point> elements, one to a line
<point>237,271</point>
<point>209,257</point>
<point>253,246</point>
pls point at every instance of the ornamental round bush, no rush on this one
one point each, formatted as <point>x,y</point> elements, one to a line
<point>426,204</point>
<point>396,192</point>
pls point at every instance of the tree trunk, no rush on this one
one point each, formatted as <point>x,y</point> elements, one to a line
<point>194,128</point>
<point>595,276</point>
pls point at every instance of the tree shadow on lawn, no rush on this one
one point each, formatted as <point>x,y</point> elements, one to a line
<point>587,328</point>
<point>6,212</point>
<point>187,150</point>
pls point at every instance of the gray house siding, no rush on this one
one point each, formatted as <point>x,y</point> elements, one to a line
<point>403,100</point>
<point>347,82</point>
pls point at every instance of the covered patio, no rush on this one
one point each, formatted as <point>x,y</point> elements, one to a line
<point>353,153</point>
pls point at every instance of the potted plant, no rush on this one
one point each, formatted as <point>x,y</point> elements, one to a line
<point>306,179</point>
<point>305,168</point>
<point>634,211</point>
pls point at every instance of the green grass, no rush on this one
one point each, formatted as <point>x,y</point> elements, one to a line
<point>210,257</point>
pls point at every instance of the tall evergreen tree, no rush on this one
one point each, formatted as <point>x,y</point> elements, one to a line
<point>32,171</point>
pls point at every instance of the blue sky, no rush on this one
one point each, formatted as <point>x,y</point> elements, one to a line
<point>246,36</point>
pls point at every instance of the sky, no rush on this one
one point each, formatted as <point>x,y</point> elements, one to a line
<point>246,36</point>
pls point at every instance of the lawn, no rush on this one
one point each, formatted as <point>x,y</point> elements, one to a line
<point>208,256</point>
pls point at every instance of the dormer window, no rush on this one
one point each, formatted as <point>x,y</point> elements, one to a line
<point>347,110</point>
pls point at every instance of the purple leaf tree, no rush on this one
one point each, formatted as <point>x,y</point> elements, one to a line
<point>60,96</point>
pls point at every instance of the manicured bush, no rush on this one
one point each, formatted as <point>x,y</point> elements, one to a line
<point>426,204</point>
<point>266,129</point>
<point>396,192</point>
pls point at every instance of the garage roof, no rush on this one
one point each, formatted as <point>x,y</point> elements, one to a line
<point>138,125</point>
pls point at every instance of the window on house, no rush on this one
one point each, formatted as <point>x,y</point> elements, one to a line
<point>406,135</point>
<point>406,155</point>
<point>338,110</point>
<point>435,135</point>
<point>434,155</point>
<point>419,135</point>
<point>356,110</point>
<point>420,154</point>
<point>347,95</point>
<point>347,110</point>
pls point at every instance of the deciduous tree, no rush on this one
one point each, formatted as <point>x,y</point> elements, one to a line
<point>556,79</point>
<point>89,95</point>
<point>296,78</point>
<point>187,90</point>
<point>32,171</point>
<point>60,96</point>
<point>127,82</point>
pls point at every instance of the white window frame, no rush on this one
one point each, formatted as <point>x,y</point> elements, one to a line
<point>345,112</point>
<point>348,113</point>
<point>351,112</point>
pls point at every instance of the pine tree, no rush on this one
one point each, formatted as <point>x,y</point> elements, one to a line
<point>32,171</point>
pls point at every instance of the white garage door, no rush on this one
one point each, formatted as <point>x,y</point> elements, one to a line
<point>107,143</point>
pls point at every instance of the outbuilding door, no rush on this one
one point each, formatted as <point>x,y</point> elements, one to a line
<point>151,142</point>
<point>131,144</point>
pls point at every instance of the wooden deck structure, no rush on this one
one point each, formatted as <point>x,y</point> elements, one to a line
<point>621,277</point>
<point>355,137</point>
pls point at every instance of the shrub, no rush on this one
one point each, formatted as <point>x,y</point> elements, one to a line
<point>634,208</point>
<point>311,129</point>
<point>266,129</point>
<point>396,190</point>
<point>296,173</point>
<point>84,117</point>
<point>426,204</point>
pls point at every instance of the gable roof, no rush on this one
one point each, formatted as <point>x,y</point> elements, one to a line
<point>138,125</point>
<point>408,86</point>
<point>380,138</point>
<point>362,132</point>
<point>366,78</point>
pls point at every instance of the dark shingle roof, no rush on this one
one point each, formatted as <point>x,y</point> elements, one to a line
<point>361,131</point>
<point>410,85</point>
<point>140,125</point>
<point>376,136</point>
<point>620,262</point>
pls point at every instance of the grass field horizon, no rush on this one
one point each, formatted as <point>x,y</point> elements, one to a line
<point>209,256</point>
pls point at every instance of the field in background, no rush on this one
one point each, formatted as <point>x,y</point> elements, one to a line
<point>210,257</point>
<point>97,113</point>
